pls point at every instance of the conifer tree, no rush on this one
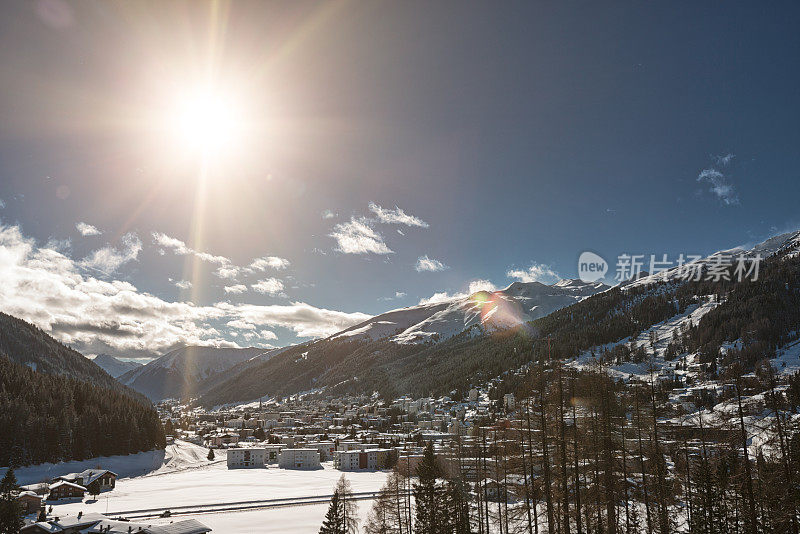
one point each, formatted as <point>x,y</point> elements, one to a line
<point>333,522</point>
<point>428,495</point>
<point>10,508</point>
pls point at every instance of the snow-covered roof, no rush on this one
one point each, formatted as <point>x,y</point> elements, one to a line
<point>65,483</point>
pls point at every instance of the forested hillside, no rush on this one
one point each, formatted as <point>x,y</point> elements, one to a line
<point>26,344</point>
<point>46,418</point>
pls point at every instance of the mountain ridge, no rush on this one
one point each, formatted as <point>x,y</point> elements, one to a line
<point>359,362</point>
<point>179,372</point>
<point>113,366</point>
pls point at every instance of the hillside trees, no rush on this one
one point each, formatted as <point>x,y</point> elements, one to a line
<point>49,418</point>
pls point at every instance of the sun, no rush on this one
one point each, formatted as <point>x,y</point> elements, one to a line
<point>207,123</point>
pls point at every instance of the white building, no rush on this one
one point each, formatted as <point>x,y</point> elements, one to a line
<point>273,453</point>
<point>246,458</point>
<point>325,448</point>
<point>346,460</point>
<point>299,459</point>
<point>350,445</point>
<point>354,460</point>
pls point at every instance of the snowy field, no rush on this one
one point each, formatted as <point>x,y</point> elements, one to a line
<point>188,479</point>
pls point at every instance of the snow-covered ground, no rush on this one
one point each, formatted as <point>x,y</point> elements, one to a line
<point>188,479</point>
<point>663,333</point>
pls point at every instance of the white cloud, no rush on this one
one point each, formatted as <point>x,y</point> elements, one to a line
<point>537,272</point>
<point>305,320</point>
<point>268,262</point>
<point>2,204</point>
<point>358,237</point>
<point>424,263</point>
<point>474,287</point>
<point>236,289</point>
<point>49,289</point>
<point>268,286</point>
<point>183,284</point>
<point>227,271</point>
<point>481,285</point>
<point>396,216</point>
<point>241,325</point>
<point>397,295</point>
<point>437,298</point>
<point>87,229</point>
<point>719,186</point>
<point>181,249</point>
<point>328,214</point>
<point>109,259</point>
<point>267,334</point>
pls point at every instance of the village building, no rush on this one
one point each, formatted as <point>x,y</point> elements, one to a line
<point>326,449</point>
<point>359,460</point>
<point>65,490</point>
<point>31,502</point>
<point>299,459</point>
<point>246,458</point>
<point>94,480</point>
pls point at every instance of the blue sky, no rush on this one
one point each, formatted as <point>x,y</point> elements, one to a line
<point>392,151</point>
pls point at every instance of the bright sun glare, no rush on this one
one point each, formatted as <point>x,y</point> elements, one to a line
<point>208,123</point>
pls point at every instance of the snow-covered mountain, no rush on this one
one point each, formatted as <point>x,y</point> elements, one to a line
<point>789,241</point>
<point>180,371</point>
<point>518,303</point>
<point>113,366</point>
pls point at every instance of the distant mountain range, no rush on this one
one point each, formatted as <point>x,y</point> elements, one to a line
<point>181,372</point>
<point>432,347</point>
<point>435,348</point>
<point>388,348</point>
<point>113,366</point>
<point>482,311</point>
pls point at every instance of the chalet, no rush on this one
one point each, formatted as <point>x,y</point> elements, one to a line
<point>30,501</point>
<point>65,490</point>
<point>94,480</point>
<point>41,488</point>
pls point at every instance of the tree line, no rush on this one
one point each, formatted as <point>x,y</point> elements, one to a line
<point>46,418</point>
<point>584,453</point>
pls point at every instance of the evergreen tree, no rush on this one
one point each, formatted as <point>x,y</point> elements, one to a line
<point>333,522</point>
<point>210,454</point>
<point>10,508</point>
<point>429,496</point>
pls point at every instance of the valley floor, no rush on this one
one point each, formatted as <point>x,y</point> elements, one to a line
<point>187,479</point>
